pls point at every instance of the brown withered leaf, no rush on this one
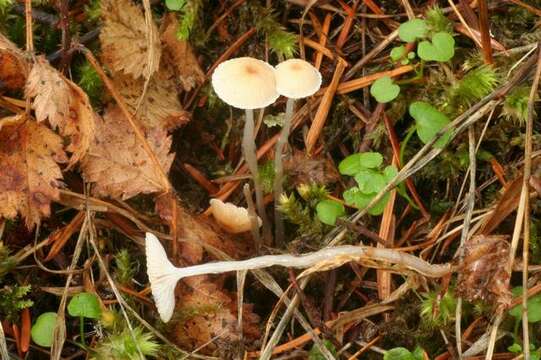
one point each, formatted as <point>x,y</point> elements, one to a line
<point>29,153</point>
<point>302,169</point>
<point>13,65</point>
<point>206,314</point>
<point>124,40</point>
<point>117,162</point>
<point>64,104</point>
<point>483,276</point>
<point>160,107</point>
<point>179,54</point>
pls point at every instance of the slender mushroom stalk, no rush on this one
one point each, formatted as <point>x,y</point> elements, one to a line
<point>163,275</point>
<point>247,83</point>
<point>295,79</point>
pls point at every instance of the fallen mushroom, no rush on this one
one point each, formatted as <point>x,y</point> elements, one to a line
<point>163,275</point>
<point>295,79</point>
<point>234,219</point>
<point>247,83</point>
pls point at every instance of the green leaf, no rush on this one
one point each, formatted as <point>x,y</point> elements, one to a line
<point>398,353</point>
<point>86,305</point>
<point>384,90</point>
<point>429,121</point>
<point>412,30</point>
<point>43,329</point>
<point>442,48</point>
<point>515,348</point>
<point>357,198</point>
<point>534,307</point>
<point>175,5</point>
<point>370,181</point>
<point>418,353</point>
<point>329,210</point>
<point>398,52</point>
<point>352,164</point>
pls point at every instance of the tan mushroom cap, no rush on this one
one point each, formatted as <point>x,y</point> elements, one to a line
<point>234,219</point>
<point>245,83</point>
<point>296,79</point>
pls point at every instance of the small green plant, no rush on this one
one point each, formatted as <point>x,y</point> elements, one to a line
<point>84,305</point>
<point>329,210</point>
<point>281,42</point>
<point>515,106</point>
<point>428,122</point>
<point>370,177</point>
<point>124,345</point>
<point>13,300</point>
<point>384,90</point>
<point>125,267</point>
<point>43,329</point>
<point>412,30</point>
<point>437,311</point>
<point>274,120</point>
<point>436,21</point>
<point>299,215</point>
<point>441,48</point>
<point>516,348</point>
<point>189,11</point>
<point>476,84</point>
<point>400,353</point>
<point>90,82</point>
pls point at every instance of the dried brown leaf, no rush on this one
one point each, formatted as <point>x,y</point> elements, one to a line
<point>29,153</point>
<point>64,104</point>
<point>179,54</point>
<point>13,65</point>
<point>160,107</point>
<point>124,40</point>
<point>302,169</point>
<point>483,276</point>
<point>117,162</point>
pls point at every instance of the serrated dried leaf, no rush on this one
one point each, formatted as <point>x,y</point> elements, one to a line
<point>117,162</point>
<point>124,40</point>
<point>484,276</point>
<point>302,169</point>
<point>179,54</point>
<point>29,153</point>
<point>13,65</point>
<point>64,104</point>
<point>160,107</point>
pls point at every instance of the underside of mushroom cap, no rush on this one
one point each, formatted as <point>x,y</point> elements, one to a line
<point>297,79</point>
<point>245,83</point>
<point>234,219</point>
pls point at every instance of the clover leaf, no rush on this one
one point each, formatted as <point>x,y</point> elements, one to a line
<point>428,122</point>
<point>85,305</point>
<point>357,198</point>
<point>370,181</point>
<point>329,210</point>
<point>412,30</point>
<point>384,90</point>
<point>43,329</point>
<point>352,164</point>
<point>442,48</point>
<point>398,353</point>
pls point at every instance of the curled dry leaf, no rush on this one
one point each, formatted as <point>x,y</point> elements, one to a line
<point>160,107</point>
<point>29,153</point>
<point>302,169</point>
<point>13,66</point>
<point>64,104</point>
<point>117,162</point>
<point>180,55</point>
<point>124,39</point>
<point>483,276</point>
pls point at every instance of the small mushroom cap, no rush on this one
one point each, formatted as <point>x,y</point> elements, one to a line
<point>297,79</point>
<point>232,218</point>
<point>245,83</point>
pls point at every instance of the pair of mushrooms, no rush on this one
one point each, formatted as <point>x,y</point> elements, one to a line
<point>247,83</point>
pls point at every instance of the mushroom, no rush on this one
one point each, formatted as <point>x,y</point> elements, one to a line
<point>234,219</point>
<point>295,79</point>
<point>247,83</point>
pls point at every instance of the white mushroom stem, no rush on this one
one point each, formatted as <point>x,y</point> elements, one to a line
<point>250,156</point>
<point>163,275</point>
<point>279,170</point>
